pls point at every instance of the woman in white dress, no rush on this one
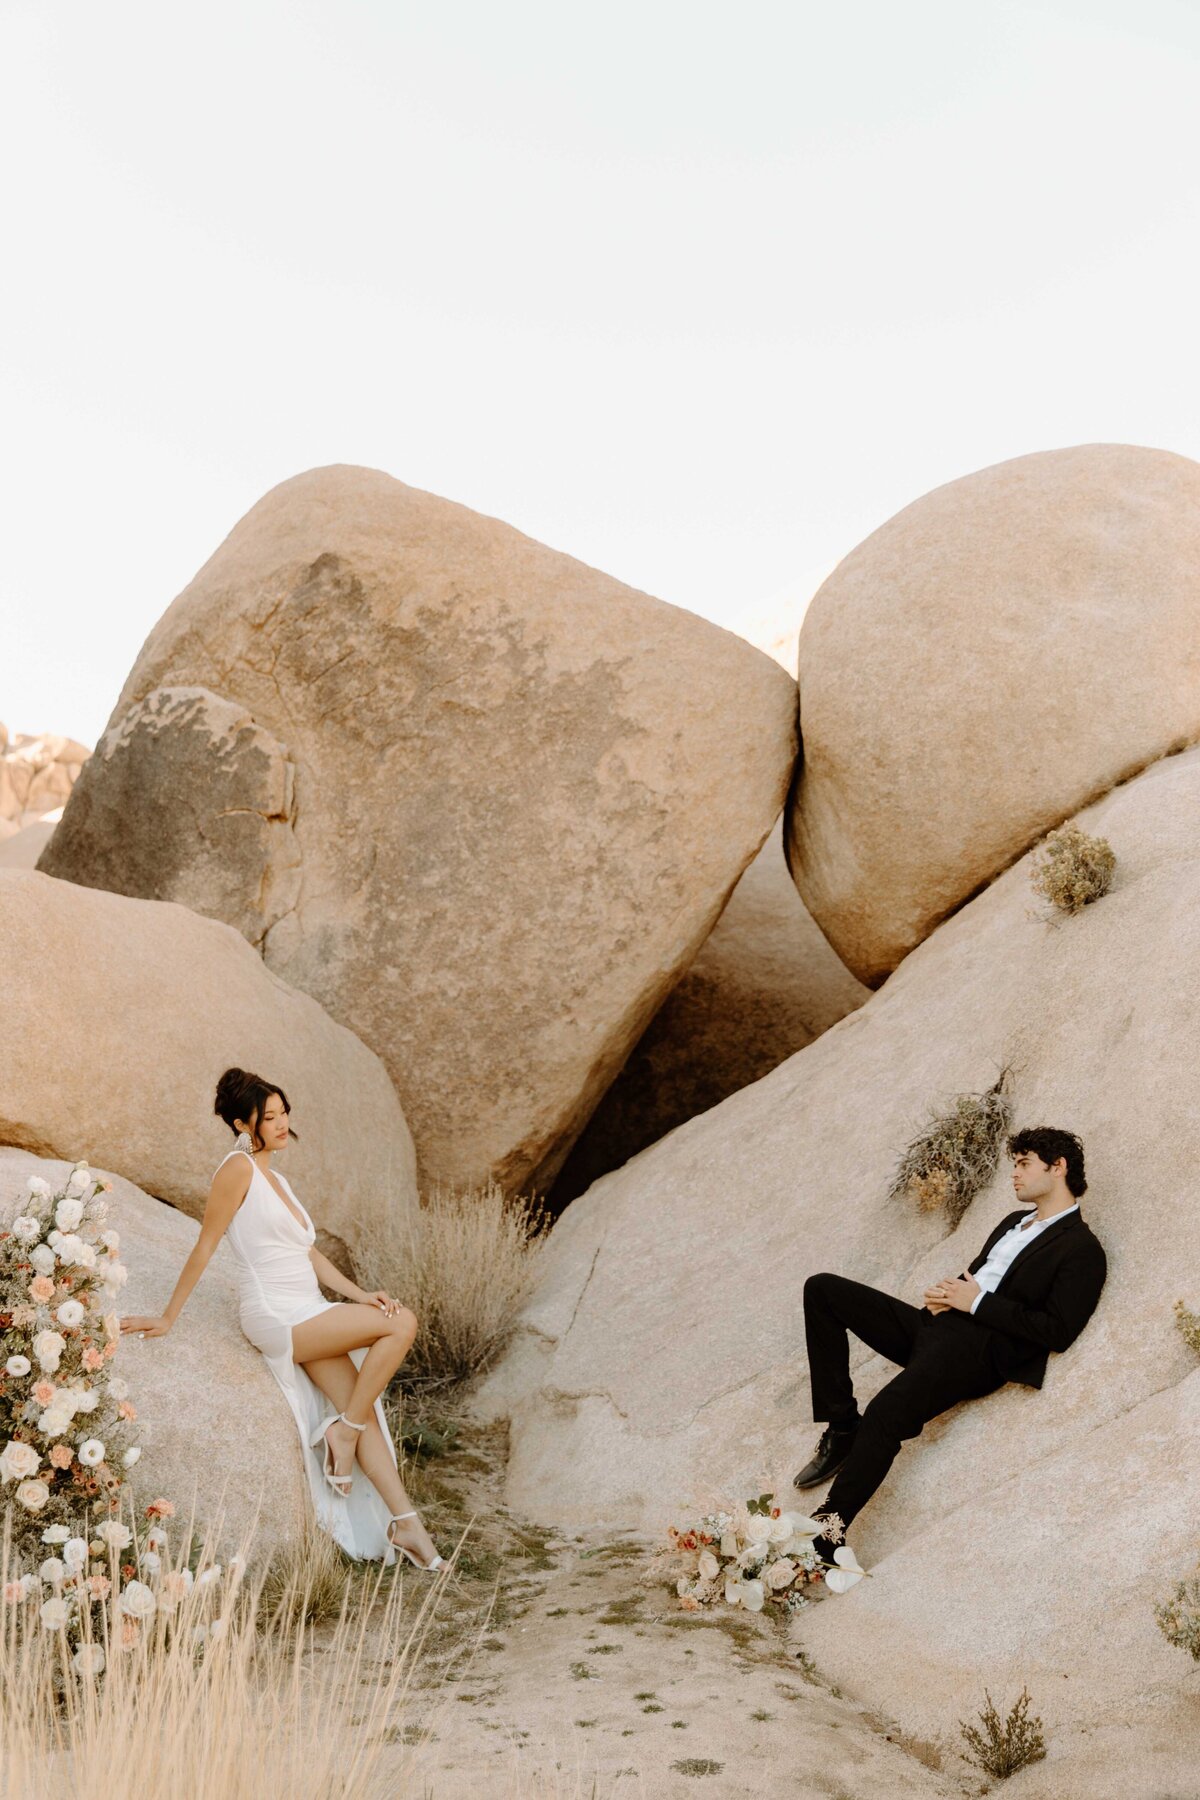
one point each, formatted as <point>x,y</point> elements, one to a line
<point>332,1359</point>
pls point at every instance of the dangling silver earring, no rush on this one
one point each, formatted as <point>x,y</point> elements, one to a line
<point>244,1141</point>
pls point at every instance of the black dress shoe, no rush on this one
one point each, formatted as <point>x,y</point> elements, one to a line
<point>832,1451</point>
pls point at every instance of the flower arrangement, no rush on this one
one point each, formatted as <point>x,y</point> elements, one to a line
<point>755,1555</point>
<point>65,1417</point>
<point>105,1593</point>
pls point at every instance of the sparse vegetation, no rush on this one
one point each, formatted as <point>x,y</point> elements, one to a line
<point>307,1584</point>
<point>1002,1749</point>
<point>957,1152</point>
<point>466,1267</point>
<point>1071,869</point>
<point>1189,1326</point>
<point>1179,1617</point>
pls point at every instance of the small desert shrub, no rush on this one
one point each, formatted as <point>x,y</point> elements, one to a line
<point>1179,1617</point>
<point>466,1267</point>
<point>1001,1750</point>
<point>1189,1326</point>
<point>956,1154</point>
<point>305,1584</point>
<point>1071,869</point>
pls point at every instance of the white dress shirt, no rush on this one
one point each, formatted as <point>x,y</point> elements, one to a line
<point>1006,1249</point>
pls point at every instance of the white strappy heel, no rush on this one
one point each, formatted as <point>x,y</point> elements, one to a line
<point>430,1568</point>
<point>341,1485</point>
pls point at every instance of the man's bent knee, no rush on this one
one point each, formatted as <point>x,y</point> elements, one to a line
<point>817,1286</point>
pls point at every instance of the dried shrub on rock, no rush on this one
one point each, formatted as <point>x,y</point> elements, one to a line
<point>956,1154</point>
<point>1002,1749</point>
<point>1189,1326</point>
<point>1071,869</point>
<point>466,1266</point>
<point>1179,1617</point>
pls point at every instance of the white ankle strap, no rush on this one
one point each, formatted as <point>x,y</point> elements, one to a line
<point>351,1424</point>
<point>398,1516</point>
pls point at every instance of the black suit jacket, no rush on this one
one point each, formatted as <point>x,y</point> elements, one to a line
<point>1045,1297</point>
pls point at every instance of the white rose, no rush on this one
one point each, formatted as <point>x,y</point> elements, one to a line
<point>18,1461</point>
<point>118,1387</point>
<point>137,1601</point>
<point>91,1452</point>
<point>780,1530</point>
<point>16,1366</point>
<point>48,1347</point>
<point>54,1615</point>
<point>35,1185</point>
<point>68,1214</point>
<point>116,1535</point>
<point>131,1455</point>
<point>88,1660</point>
<point>53,1570</point>
<point>43,1259</point>
<point>55,1534</point>
<point>780,1574</point>
<point>25,1229</point>
<point>75,1554</point>
<point>79,1183</point>
<point>70,1313</point>
<point>759,1528</point>
<point>33,1495</point>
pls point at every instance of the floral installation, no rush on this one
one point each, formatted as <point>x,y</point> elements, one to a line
<point>105,1593</point>
<point>756,1555</point>
<point>65,1417</point>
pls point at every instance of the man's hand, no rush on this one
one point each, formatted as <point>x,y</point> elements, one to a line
<point>956,1294</point>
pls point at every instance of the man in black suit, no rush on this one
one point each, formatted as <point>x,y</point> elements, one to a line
<point>1032,1289</point>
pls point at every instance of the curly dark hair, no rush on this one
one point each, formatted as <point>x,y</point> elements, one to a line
<point>241,1095</point>
<point>1047,1142</point>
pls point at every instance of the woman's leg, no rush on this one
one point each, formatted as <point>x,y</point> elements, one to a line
<point>336,1376</point>
<point>355,1327</point>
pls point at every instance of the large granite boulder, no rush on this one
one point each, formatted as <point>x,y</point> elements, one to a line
<point>200,1392</point>
<point>37,773</point>
<point>765,983</point>
<point>1026,1535</point>
<point>996,656</point>
<point>119,1015</point>
<point>492,800</point>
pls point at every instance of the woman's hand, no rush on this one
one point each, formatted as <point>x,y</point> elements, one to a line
<point>384,1302</point>
<point>146,1327</point>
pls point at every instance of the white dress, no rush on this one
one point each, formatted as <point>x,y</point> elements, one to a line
<point>277,1289</point>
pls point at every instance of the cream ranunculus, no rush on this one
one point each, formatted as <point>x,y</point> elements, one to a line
<point>54,1614</point>
<point>113,1274</point>
<point>118,1387</point>
<point>79,1183</point>
<point>53,1570</point>
<point>54,1421</point>
<point>68,1214</point>
<point>55,1534</point>
<point>137,1601</point>
<point>111,1241</point>
<point>84,1400</point>
<point>70,1313</point>
<point>43,1259</point>
<point>131,1455</point>
<point>75,1554</point>
<point>48,1347</point>
<point>710,1568</point>
<point>18,1366</point>
<point>18,1461</point>
<point>25,1229</point>
<point>91,1453</point>
<point>116,1535</point>
<point>88,1660</point>
<point>35,1185</point>
<point>33,1495</point>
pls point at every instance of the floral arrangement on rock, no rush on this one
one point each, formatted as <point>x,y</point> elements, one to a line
<point>108,1592</point>
<point>65,1417</point>
<point>755,1555</point>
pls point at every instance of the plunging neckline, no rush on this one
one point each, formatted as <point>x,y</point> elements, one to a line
<point>285,1203</point>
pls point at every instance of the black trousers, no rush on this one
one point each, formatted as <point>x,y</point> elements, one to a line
<point>944,1358</point>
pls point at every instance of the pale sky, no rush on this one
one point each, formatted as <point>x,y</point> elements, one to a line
<point>700,293</point>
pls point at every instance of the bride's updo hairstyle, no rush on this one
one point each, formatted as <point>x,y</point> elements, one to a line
<point>241,1095</point>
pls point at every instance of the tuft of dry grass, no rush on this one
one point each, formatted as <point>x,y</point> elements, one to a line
<point>1189,1326</point>
<point>308,1583</point>
<point>1071,869</point>
<point>1002,1749</point>
<point>243,1712</point>
<point>466,1266</point>
<point>956,1154</point>
<point>1179,1617</point>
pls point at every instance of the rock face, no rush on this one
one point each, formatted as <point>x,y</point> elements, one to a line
<point>22,849</point>
<point>1025,1534</point>
<point>764,984</point>
<point>996,656</point>
<point>189,1385</point>
<point>119,1015</point>
<point>37,774</point>
<point>521,794</point>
